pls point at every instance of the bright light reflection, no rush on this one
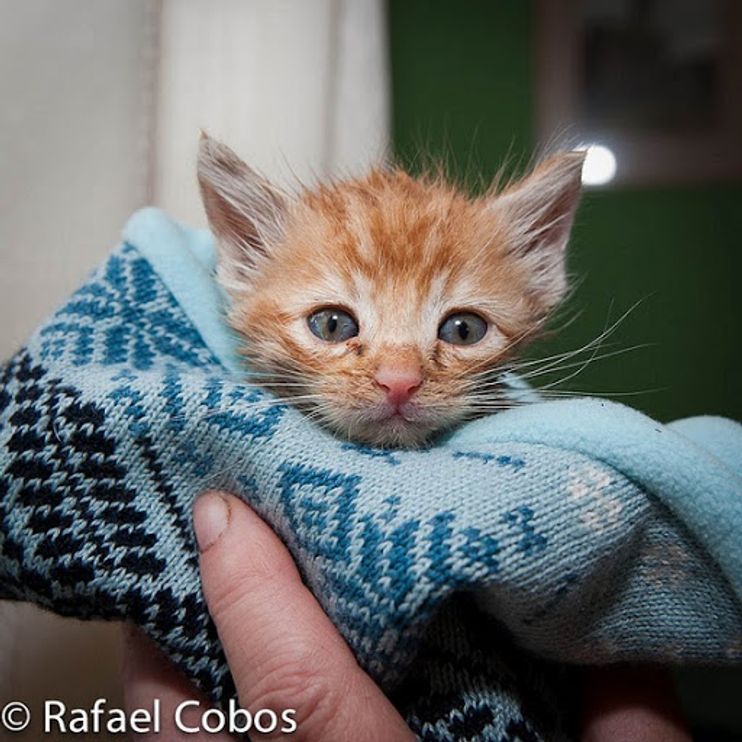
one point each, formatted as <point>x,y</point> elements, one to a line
<point>600,164</point>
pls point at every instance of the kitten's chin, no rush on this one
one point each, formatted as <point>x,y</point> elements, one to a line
<point>397,432</point>
<point>394,435</point>
<point>412,425</point>
<point>391,432</point>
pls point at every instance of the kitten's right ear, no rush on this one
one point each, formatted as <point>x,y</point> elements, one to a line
<point>538,211</point>
<point>246,212</point>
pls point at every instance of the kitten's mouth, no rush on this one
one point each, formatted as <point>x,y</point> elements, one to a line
<point>407,426</point>
<point>407,418</point>
<point>397,428</point>
<point>398,414</point>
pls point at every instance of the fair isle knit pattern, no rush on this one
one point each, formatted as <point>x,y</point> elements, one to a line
<point>464,578</point>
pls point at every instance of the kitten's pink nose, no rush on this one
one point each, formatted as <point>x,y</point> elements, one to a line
<point>399,381</point>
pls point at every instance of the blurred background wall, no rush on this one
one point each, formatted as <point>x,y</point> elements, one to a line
<point>77,91</point>
<point>102,103</point>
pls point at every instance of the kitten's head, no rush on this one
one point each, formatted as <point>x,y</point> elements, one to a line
<point>384,305</point>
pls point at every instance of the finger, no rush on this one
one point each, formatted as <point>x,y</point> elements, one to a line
<point>282,649</point>
<point>636,703</point>
<point>148,675</point>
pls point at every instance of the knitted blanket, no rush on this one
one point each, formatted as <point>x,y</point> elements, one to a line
<point>466,578</point>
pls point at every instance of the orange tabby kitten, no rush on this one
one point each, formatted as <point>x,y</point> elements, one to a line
<point>385,305</point>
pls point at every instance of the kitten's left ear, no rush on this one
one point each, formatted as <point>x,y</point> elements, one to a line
<point>538,212</point>
<point>246,212</point>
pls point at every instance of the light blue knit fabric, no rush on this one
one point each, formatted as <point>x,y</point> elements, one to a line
<point>586,532</point>
<point>694,466</point>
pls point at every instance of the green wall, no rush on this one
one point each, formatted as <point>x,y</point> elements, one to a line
<point>462,78</point>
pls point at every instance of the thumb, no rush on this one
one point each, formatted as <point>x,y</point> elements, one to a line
<point>282,649</point>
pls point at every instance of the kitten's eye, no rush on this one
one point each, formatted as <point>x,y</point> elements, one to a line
<point>462,328</point>
<point>333,325</point>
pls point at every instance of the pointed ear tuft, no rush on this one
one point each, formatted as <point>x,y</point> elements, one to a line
<point>538,212</point>
<point>246,213</point>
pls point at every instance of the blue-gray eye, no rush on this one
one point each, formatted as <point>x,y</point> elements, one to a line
<point>333,325</point>
<point>462,328</point>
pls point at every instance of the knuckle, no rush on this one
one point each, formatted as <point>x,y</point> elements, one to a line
<point>226,596</point>
<point>296,678</point>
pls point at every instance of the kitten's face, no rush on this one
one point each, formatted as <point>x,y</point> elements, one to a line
<point>382,305</point>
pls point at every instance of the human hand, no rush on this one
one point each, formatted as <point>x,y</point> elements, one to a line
<point>625,703</point>
<point>282,649</point>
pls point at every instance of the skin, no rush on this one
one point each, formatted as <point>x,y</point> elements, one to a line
<point>631,704</point>
<point>283,651</point>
